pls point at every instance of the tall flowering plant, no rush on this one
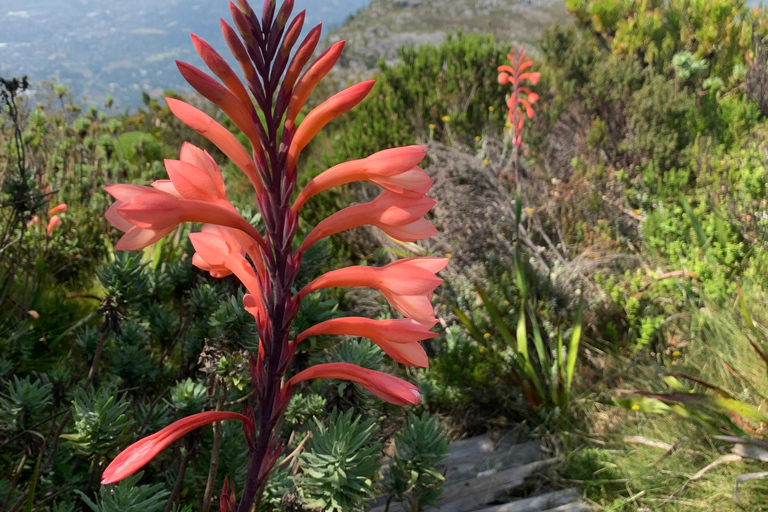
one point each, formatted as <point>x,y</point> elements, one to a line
<point>520,103</point>
<point>264,106</point>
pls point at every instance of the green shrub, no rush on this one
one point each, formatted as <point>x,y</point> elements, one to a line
<point>340,465</point>
<point>414,477</point>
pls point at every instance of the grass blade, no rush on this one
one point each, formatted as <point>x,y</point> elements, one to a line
<point>573,349</point>
<point>700,237</point>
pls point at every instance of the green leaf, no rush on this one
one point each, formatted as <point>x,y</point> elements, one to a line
<point>700,237</point>
<point>573,348</point>
<point>496,317</point>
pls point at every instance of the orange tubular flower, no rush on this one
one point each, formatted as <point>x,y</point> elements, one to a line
<point>385,386</point>
<point>139,453</point>
<point>323,114</point>
<point>217,249</point>
<point>398,216</point>
<point>194,176</point>
<point>407,284</point>
<point>393,169</point>
<point>399,338</point>
<point>240,114</point>
<point>311,77</point>
<point>155,212</point>
<point>219,136</point>
<point>53,224</point>
<point>58,209</point>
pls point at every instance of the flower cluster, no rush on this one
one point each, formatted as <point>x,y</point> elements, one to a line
<point>264,107</point>
<point>522,98</point>
<point>54,220</point>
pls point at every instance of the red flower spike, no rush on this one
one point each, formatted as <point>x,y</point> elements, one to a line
<point>387,212</point>
<point>514,75</point>
<point>330,109</point>
<point>219,136</point>
<point>141,452</point>
<point>385,386</point>
<point>316,71</point>
<point>267,265</point>
<point>399,337</point>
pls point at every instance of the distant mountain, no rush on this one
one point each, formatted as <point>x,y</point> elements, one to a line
<point>381,28</point>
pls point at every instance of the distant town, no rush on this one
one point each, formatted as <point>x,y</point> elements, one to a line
<point>107,48</point>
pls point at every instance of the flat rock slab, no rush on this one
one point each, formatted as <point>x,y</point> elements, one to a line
<point>482,471</point>
<point>548,502</point>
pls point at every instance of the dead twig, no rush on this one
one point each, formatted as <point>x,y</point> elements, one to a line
<point>663,277</point>
<point>731,457</point>
<point>648,442</point>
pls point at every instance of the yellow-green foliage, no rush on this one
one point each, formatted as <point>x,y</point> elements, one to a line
<point>656,30</point>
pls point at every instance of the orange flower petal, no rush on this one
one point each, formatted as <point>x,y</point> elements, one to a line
<point>399,338</point>
<point>53,224</point>
<point>219,136</point>
<point>394,169</point>
<point>136,238</point>
<point>387,387</point>
<point>421,229</point>
<point>141,452</point>
<point>316,71</point>
<point>388,209</point>
<point>192,182</point>
<point>241,114</point>
<point>331,108</point>
<point>58,209</point>
<point>219,248</point>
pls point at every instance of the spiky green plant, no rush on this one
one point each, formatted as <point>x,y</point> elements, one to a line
<point>128,497</point>
<point>414,477</point>
<point>25,397</point>
<point>101,421</point>
<point>340,465</point>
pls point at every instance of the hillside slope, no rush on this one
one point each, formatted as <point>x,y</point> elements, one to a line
<point>379,30</point>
